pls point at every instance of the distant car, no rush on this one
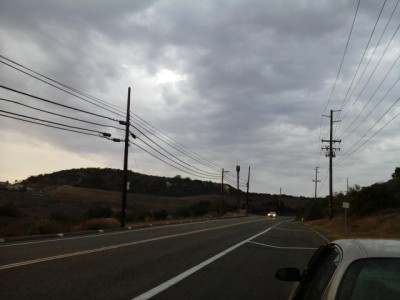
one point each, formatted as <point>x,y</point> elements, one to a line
<point>271,214</point>
<point>349,270</point>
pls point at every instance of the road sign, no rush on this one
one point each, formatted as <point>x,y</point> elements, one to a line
<point>346,205</point>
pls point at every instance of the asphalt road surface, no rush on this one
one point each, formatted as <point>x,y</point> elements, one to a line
<point>220,259</point>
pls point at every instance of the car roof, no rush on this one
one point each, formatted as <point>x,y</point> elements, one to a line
<point>368,248</point>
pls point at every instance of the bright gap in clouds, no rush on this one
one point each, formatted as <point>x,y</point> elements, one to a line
<point>168,76</point>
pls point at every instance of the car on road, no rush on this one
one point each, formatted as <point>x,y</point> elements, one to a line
<point>271,214</point>
<point>351,269</point>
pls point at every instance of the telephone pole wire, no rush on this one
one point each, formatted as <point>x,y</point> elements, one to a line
<point>331,153</point>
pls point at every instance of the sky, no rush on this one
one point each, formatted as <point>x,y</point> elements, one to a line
<point>214,84</point>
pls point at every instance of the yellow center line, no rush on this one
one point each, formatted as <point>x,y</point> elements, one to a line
<point>96,250</point>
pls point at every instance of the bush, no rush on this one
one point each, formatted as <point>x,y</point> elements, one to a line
<point>9,210</point>
<point>313,211</point>
<point>99,212</point>
<point>102,223</point>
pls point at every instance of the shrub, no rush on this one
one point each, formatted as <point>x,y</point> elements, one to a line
<point>99,212</point>
<point>101,223</point>
<point>9,210</point>
<point>313,211</point>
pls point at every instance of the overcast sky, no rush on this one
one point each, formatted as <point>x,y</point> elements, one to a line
<point>214,83</point>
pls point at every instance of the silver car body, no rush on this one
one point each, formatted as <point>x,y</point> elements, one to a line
<point>350,251</point>
<point>355,249</point>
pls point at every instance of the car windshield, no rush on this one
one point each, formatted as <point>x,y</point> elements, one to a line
<point>371,279</point>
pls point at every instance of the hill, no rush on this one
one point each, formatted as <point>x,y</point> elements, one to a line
<point>90,198</point>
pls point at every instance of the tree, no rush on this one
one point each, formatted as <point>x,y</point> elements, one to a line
<point>396,173</point>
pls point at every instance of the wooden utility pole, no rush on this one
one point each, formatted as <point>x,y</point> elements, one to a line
<point>238,191</point>
<point>221,204</point>
<point>316,181</point>
<point>247,193</point>
<point>125,179</point>
<point>330,152</point>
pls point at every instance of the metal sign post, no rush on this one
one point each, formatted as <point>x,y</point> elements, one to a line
<point>346,206</point>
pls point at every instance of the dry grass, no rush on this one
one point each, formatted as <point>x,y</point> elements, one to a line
<point>383,225</point>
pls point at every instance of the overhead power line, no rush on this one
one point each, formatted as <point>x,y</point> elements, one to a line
<point>138,121</point>
<point>55,103</point>
<point>352,151</point>
<point>56,123</point>
<point>166,162</point>
<point>60,128</point>
<point>64,87</point>
<point>59,115</point>
<point>334,85</point>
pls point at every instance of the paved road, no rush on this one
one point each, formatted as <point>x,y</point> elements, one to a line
<point>224,259</point>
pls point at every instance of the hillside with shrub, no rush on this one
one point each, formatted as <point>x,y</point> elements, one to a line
<point>374,211</point>
<point>90,198</point>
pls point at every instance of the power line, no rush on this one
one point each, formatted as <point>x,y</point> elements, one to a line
<point>213,174</point>
<point>55,103</point>
<point>60,115</point>
<point>337,77</point>
<point>182,148</point>
<point>46,125</point>
<point>59,88</point>
<point>160,159</point>
<point>376,90</point>
<point>344,54</point>
<point>194,172</point>
<point>350,152</point>
<point>56,123</point>
<point>373,109</point>
<point>168,143</point>
<point>370,59</point>
<point>362,58</point>
<point>116,110</point>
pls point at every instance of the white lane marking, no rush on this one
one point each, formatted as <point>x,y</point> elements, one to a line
<point>305,230</point>
<point>287,229</point>
<point>117,246</point>
<point>321,235</point>
<point>103,234</point>
<point>279,247</point>
<point>189,272</point>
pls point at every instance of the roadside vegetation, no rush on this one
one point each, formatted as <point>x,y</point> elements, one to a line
<point>373,212</point>
<point>90,199</point>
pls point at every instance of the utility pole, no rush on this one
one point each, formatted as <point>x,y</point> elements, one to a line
<point>247,193</point>
<point>238,191</point>
<point>221,204</point>
<point>316,181</point>
<point>330,152</point>
<point>347,191</point>
<point>279,200</point>
<point>125,180</point>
